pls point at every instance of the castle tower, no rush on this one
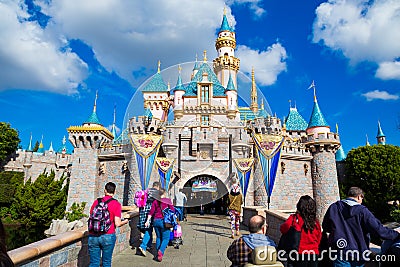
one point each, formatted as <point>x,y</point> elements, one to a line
<point>380,137</point>
<point>226,63</point>
<point>322,144</point>
<point>231,94</point>
<point>156,96</point>
<point>86,139</point>
<point>254,98</point>
<point>114,127</point>
<point>179,91</point>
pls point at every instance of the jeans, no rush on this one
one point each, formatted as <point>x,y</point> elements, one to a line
<point>101,246</point>
<point>147,238</point>
<point>180,213</point>
<point>162,233</point>
<point>342,263</point>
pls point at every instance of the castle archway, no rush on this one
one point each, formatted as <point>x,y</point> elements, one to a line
<point>206,194</point>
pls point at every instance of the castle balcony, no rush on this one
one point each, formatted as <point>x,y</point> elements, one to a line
<point>109,151</point>
<point>323,141</point>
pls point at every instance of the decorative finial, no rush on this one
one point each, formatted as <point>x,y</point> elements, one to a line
<point>224,10</point>
<point>262,103</point>
<point>95,102</point>
<point>252,74</point>
<point>290,103</point>
<point>64,141</point>
<point>313,86</point>
<point>169,86</point>
<point>179,68</point>
<point>337,128</point>
<point>205,56</point>
<point>159,66</point>
<point>196,57</point>
<point>115,111</point>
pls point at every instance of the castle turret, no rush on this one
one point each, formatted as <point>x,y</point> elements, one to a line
<point>156,96</point>
<point>231,94</point>
<point>86,139</point>
<point>323,145</point>
<point>179,91</point>
<point>380,137</point>
<point>226,63</point>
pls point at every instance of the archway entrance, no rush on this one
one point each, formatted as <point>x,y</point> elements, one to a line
<point>206,194</point>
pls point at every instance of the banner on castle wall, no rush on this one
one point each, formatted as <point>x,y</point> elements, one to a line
<point>165,170</point>
<point>269,152</point>
<point>145,150</point>
<point>244,167</point>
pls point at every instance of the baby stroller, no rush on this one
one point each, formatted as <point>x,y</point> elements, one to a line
<point>177,236</point>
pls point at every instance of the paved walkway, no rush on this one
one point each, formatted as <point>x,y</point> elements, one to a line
<point>205,242</point>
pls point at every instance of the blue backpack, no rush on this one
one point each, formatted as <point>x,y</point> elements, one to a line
<point>169,218</point>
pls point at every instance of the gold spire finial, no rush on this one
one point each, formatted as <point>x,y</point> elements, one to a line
<point>205,55</point>
<point>262,103</point>
<point>95,102</point>
<point>254,99</point>
<point>179,68</point>
<point>224,10</point>
<point>337,128</point>
<point>159,66</point>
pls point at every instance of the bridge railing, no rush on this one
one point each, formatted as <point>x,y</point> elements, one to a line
<point>71,248</point>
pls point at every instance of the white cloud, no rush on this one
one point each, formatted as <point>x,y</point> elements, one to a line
<point>388,70</point>
<point>362,30</point>
<point>267,64</point>
<point>381,95</point>
<point>31,58</point>
<point>126,37</point>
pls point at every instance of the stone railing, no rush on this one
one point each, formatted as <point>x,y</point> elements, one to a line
<point>71,248</point>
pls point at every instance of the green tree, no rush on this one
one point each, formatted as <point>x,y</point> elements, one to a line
<point>36,147</point>
<point>9,140</point>
<point>375,169</point>
<point>38,203</point>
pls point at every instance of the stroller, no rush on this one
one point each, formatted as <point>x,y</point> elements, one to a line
<point>176,237</point>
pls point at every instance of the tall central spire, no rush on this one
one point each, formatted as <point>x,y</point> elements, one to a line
<point>254,99</point>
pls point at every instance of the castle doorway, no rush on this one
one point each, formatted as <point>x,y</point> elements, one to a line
<point>206,194</point>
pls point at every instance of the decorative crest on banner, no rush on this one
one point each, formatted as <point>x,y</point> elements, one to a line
<point>269,145</point>
<point>145,144</point>
<point>244,164</point>
<point>164,164</point>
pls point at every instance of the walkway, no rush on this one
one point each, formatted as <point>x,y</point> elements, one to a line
<point>206,240</point>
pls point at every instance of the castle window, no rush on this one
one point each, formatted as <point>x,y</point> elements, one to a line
<point>205,119</point>
<point>205,94</point>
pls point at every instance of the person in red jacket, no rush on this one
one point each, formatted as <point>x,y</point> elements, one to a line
<point>304,220</point>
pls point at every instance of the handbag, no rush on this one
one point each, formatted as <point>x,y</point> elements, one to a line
<point>291,239</point>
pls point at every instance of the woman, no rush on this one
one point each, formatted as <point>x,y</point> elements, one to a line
<point>304,220</point>
<point>235,199</point>
<point>162,233</point>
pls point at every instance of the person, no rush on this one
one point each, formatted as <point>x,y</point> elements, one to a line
<point>102,245</point>
<point>162,233</point>
<point>5,260</point>
<point>304,221</point>
<point>180,202</point>
<point>235,199</point>
<point>349,224</point>
<point>239,252</point>
<point>147,240</point>
<point>391,249</point>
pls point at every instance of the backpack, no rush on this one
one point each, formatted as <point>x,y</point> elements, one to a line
<point>169,218</point>
<point>140,198</point>
<point>99,219</point>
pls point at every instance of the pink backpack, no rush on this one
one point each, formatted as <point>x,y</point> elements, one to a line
<point>177,231</point>
<point>140,198</point>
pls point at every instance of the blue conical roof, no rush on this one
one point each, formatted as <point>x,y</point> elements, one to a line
<point>218,89</point>
<point>340,155</point>
<point>196,65</point>
<point>225,25</point>
<point>317,119</point>
<point>41,148</point>
<point>179,85</point>
<point>147,113</point>
<point>294,121</point>
<point>93,118</point>
<point>380,132</point>
<point>230,86</point>
<point>156,84</point>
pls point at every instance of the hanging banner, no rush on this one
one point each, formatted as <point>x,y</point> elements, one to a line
<point>269,152</point>
<point>165,170</point>
<point>146,149</point>
<point>244,167</point>
<point>205,185</point>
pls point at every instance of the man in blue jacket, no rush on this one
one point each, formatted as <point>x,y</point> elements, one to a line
<point>349,225</point>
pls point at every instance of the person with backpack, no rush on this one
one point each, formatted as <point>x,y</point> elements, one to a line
<point>105,216</point>
<point>152,194</point>
<point>158,210</point>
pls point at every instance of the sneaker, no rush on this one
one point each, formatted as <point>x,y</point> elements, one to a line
<point>237,233</point>
<point>159,256</point>
<point>142,251</point>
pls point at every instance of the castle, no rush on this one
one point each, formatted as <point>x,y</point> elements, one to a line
<point>196,136</point>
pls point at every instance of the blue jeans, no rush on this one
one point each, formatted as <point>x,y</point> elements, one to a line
<point>342,263</point>
<point>162,233</point>
<point>147,238</point>
<point>101,246</point>
<point>180,213</point>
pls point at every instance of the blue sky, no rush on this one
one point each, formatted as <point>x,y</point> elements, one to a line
<point>54,55</point>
